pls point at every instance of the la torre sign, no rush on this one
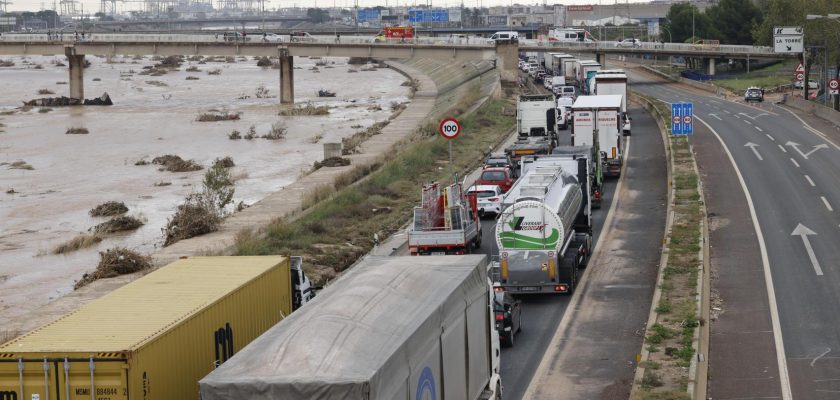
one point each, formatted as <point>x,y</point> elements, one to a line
<point>788,39</point>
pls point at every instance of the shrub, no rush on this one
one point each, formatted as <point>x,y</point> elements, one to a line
<point>108,209</point>
<point>115,262</point>
<point>277,132</point>
<point>45,91</point>
<point>173,163</point>
<point>76,131</point>
<point>118,224</point>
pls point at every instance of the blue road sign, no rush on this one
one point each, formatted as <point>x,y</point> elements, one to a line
<point>682,119</point>
<point>369,14</point>
<point>420,16</point>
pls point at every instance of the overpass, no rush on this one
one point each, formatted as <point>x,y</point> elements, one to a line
<point>460,49</point>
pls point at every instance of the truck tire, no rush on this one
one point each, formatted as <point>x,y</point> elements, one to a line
<point>568,272</point>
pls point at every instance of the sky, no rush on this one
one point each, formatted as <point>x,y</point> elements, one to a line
<point>93,5</point>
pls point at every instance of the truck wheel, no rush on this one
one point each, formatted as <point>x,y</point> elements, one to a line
<point>569,272</point>
<point>498,391</point>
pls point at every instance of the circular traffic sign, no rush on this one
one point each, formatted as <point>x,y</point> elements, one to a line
<point>833,84</point>
<point>677,119</point>
<point>800,77</point>
<point>449,128</point>
<point>687,119</point>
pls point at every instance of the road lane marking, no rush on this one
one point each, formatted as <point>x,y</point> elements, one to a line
<point>794,163</point>
<point>783,148</point>
<point>784,377</point>
<point>827,205</point>
<point>727,111</point>
<point>753,146</point>
<point>827,350</point>
<point>768,135</point>
<point>808,127</point>
<point>737,116</point>
<point>761,130</point>
<point>753,118</point>
<point>809,180</point>
<point>803,232</point>
<point>805,155</point>
<point>718,118</point>
<point>748,122</point>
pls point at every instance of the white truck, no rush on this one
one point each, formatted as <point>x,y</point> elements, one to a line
<point>536,122</point>
<point>597,123</point>
<point>557,81</point>
<point>544,233</point>
<point>567,68</point>
<point>394,328</point>
<point>557,60</point>
<point>446,222</point>
<point>584,71</point>
<point>612,81</point>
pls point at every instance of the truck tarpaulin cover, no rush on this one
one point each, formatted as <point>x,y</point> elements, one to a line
<point>391,328</point>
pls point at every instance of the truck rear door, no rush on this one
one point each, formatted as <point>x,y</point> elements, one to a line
<point>56,379</point>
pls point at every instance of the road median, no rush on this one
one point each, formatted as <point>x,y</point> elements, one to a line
<point>672,362</point>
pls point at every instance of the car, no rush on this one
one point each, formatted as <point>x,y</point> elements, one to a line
<point>488,199</point>
<point>540,78</point>
<point>566,91</point>
<point>812,84</point>
<point>629,42</point>
<point>498,160</point>
<point>547,81</point>
<point>500,176</point>
<point>299,36</point>
<point>271,37</point>
<point>754,94</point>
<point>504,37</point>
<point>507,312</point>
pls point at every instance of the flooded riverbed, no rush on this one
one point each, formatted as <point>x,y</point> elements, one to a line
<point>47,205</point>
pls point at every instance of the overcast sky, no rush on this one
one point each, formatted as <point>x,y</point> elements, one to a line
<point>93,5</point>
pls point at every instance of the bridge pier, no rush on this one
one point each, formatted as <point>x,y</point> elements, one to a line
<point>710,66</point>
<point>287,78</point>
<point>507,61</point>
<point>601,58</point>
<point>76,64</point>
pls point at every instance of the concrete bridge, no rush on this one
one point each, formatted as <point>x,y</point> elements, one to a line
<point>457,49</point>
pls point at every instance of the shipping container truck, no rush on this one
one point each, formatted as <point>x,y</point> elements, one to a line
<point>606,110</point>
<point>153,338</point>
<point>544,233</point>
<point>446,222</point>
<point>393,328</point>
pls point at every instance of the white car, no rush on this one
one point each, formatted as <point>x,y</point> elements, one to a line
<point>547,81</point>
<point>629,42</point>
<point>812,84</point>
<point>489,198</point>
<point>272,37</point>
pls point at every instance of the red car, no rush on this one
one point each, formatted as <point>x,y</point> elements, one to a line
<point>500,176</point>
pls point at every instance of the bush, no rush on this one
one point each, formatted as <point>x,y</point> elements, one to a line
<point>115,262</point>
<point>263,62</point>
<point>45,91</point>
<point>118,224</point>
<point>215,71</point>
<point>277,132</point>
<point>226,162</point>
<point>308,109</point>
<point>77,131</point>
<point>234,135</point>
<point>262,92</point>
<point>109,209</point>
<point>202,213</point>
<point>173,163</point>
<point>192,68</point>
<point>79,242</point>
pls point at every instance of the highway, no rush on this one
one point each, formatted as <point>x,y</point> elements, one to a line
<point>787,346</point>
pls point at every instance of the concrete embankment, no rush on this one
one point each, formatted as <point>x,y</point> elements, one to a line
<point>440,86</point>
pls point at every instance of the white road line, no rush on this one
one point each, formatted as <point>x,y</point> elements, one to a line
<point>748,122</point>
<point>767,134</point>
<point>784,378</point>
<point>808,127</point>
<point>718,118</point>
<point>760,130</point>
<point>827,204</point>
<point>737,116</point>
<point>784,150</point>
<point>794,163</point>
<point>727,111</point>
<point>809,180</point>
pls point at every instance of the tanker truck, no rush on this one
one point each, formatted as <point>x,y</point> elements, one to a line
<point>393,328</point>
<point>544,233</point>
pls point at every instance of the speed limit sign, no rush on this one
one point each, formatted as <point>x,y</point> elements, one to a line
<point>833,86</point>
<point>449,128</point>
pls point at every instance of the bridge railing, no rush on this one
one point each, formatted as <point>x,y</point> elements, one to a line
<point>655,46</point>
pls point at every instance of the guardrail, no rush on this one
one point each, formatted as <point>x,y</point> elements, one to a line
<point>652,46</point>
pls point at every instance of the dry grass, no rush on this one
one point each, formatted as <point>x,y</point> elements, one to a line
<point>115,262</point>
<point>77,131</point>
<point>20,164</point>
<point>157,83</point>
<point>305,110</point>
<point>109,209</point>
<point>120,223</point>
<point>214,71</point>
<point>217,116</point>
<point>82,241</point>
<point>192,68</point>
<point>191,78</point>
<point>173,163</point>
<point>277,132</point>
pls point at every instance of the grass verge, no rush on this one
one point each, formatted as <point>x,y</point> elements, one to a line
<point>670,340</point>
<point>339,225</point>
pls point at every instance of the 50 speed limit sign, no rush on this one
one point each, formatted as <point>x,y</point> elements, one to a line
<point>449,128</point>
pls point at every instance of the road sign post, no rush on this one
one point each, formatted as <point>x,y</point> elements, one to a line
<point>450,128</point>
<point>833,86</point>
<point>682,119</point>
<point>788,39</point>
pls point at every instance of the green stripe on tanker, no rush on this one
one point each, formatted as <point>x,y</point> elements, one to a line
<point>523,226</point>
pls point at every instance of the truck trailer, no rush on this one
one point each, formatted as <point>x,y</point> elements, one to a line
<point>611,82</point>
<point>394,328</point>
<point>446,222</point>
<point>153,338</point>
<point>536,123</point>
<point>606,110</point>
<point>544,232</point>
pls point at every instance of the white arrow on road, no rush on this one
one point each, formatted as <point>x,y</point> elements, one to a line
<point>805,155</point>
<point>751,117</point>
<point>715,115</point>
<point>753,146</point>
<point>803,232</point>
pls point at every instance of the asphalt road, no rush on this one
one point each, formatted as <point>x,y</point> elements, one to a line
<point>789,171</point>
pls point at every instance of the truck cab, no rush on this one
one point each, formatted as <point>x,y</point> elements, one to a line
<point>301,285</point>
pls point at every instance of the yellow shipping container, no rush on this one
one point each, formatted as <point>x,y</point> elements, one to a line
<point>154,338</point>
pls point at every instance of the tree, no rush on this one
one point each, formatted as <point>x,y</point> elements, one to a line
<point>317,15</point>
<point>679,23</point>
<point>734,20</point>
